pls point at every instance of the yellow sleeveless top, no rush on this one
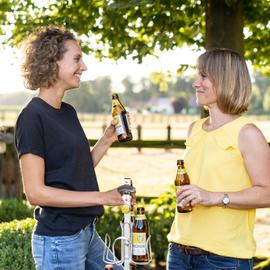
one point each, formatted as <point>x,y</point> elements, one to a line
<point>214,162</point>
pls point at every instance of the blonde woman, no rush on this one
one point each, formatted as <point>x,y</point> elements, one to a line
<point>227,159</point>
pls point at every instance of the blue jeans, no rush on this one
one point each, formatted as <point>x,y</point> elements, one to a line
<point>178,260</point>
<point>81,251</point>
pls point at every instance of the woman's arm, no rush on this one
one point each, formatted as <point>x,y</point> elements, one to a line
<point>256,155</point>
<point>37,193</point>
<point>103,144</point>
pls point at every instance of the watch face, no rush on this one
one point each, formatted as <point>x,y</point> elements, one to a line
<point>226,199</point>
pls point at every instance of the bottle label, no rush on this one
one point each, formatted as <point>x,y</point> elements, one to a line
<point>119,128</point>
<point>181,171</point>
<point>127,203</point>
<point>128,122</point>
<point>141,217</point>
<point>138,244</point>
<point>116,102</point>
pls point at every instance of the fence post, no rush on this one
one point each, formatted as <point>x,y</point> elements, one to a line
<point>169,133</point>
<point>139,132</point>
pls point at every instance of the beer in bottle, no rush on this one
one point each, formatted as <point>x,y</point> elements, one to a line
<point>182,178</point>
<point>119,113</point>
<point>108,267</point>
<point>140,234</point>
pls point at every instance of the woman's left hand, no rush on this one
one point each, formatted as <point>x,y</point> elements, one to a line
<point>194,195</point>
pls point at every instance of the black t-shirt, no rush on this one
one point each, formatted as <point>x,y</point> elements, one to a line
<point>57,136</point>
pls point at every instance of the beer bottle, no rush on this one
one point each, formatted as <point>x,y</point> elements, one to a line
<point>182,178</point>
<point>119,113</point>
<point>108,267</point>
<point>140,234</point>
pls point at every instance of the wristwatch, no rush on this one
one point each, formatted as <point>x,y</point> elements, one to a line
<point>225,200</point>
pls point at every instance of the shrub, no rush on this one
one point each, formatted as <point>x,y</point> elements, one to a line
<point>109,224</point>
<point>11,209</point>
<point>160,214</point>
<point>15,236</point>
<point>15,245</point>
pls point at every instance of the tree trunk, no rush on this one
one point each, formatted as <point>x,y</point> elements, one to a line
<point>224,25</point>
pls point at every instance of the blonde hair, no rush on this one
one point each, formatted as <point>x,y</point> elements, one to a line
<point>228,72</point>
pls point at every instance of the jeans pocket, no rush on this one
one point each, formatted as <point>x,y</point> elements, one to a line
<point>66,238</point>
<point>222,263</point>
<point>38,250</point>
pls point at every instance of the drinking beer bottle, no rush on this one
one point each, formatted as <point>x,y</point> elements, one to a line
<point>182,178</point>
<point>119,113</point>
<point>140,234</point>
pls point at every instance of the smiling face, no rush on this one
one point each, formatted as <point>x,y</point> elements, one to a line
<point>71,66</point>
<point>205,91</point>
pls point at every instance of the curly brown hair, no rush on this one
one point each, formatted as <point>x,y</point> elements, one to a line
<point>42,51</point>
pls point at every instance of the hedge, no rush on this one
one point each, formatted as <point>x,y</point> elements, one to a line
<point>15,245</point>
<point>15,236</point>
<point>11,209</point>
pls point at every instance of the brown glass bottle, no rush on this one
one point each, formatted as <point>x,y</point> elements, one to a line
<point>182,178</point>
<point>140,234</point>
<point>119,113</point>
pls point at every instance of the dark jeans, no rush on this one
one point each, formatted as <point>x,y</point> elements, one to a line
<point>178,260</point>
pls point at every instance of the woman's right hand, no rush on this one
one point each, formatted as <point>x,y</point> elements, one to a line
<point>113,198</point>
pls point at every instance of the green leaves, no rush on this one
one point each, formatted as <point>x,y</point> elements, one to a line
<point>121,28</point>
<point>15,245</point>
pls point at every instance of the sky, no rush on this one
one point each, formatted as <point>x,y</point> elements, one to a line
<point>11,80</point>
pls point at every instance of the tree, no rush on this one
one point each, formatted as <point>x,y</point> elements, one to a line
<point>92,96</point>
<point>136,28</point>
<point>266,101</point>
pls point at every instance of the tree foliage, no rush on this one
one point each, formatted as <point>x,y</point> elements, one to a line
<point>122,28</point>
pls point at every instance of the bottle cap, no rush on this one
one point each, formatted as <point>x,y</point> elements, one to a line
<point>180,162</point>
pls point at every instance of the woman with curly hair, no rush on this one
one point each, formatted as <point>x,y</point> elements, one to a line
<point>56,162</point>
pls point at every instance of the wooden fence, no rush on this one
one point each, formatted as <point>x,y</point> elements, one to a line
<point>10,177</point>
<point>167,129</point>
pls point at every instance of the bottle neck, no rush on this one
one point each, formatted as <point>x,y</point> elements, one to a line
<point>180,169</point>
<point>140,216</point>
<point>116,102</point>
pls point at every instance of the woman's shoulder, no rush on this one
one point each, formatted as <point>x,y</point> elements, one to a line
<point>68,106</point>
<point>195,125</point>
<point>29,110</point>
<point>250,131</point>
